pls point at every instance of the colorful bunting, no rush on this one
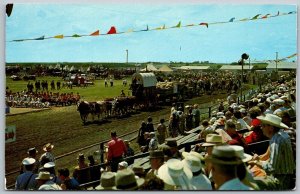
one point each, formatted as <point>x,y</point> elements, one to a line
<point>96,33</point>
<point>112,30</point>
<point>59,36</point>
<point>204,24</point>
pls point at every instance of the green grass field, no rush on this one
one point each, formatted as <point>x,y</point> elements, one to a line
<point>91,93</point>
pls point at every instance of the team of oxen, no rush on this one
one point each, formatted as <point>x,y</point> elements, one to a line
<point>108,108</point>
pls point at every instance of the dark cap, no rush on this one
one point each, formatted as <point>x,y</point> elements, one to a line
<point>32,151</point>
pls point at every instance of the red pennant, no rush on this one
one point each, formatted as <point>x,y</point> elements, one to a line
<point>95,33</point>
<point>112,30</point>
<point>204,24</point>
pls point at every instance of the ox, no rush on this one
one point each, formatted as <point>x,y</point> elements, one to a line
<point>94,108</point>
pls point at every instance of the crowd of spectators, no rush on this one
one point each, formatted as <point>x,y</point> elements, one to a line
<point>222,162</point>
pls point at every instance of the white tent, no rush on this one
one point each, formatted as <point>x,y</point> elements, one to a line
<point>149,67</point>
<point>193,68</point>
<point>72,68</point>
<point>66,68</point>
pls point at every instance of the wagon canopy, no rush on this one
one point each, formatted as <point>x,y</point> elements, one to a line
<point>146,79</point>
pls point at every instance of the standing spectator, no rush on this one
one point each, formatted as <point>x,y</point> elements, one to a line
<point>50,167</point>
<point>67,182</point>
<point>111,82</point>
<point>189,118</point>
<point>224,161</point>
<point>26,180</point>
<point>58,85</point>
<point>153,144</point>
<point>116,150</point>
<point>81,177</point>
<point>105,82</point>
<point>45,183</point>
<point>181,120</point>
<point>141,140</point>
<point>221,107</point>
<point>122,94</point>
<point>149,125</point>
<point>174,125</point>
<point>162,132</point>
<point>32,154</point>
<point>280,163</point>
<point>196,115</point>
<point>47,156</point>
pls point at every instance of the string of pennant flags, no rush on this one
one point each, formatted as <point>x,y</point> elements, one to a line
<point>278,60</point>
<point>113,29</point>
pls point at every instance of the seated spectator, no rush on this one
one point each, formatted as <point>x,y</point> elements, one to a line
<point>47,156</point>
<point>50,167</point>
<point>122,165</point>
<point>139,171</point>
<point>153,183</point>
<point>129,152</point>
<point>153,144</point>
<point>81,177</point>
<point>237,139</point>
<point>67,182</point>
<point>156,160</point>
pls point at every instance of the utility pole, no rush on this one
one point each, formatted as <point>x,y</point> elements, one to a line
<point>127,56</point>
<point>276,65</point>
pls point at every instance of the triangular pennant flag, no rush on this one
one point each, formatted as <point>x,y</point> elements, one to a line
<point>96,33</point>
<point>291,12</point>
<point>255,17</point>
<point>245,19</point>
<point>112,30</point>
<point>61,36</point>
<point>231,20</point>
<point>130,30</point>
<point>40,38</point>
<point>177,26</point>
<point>204,24</point>
<point>190,25</point>
<point>265,16</point>
<point>18,40</point>
<point>292,56</point>
<point>76,36</point>
<point>277,13</point>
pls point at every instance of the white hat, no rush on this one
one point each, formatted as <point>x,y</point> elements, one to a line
<point>243,110</point>
<point>240,151</point>
<point>28,161</point>
<point>193,163</point>
<point>273,120</point>
<point>123,164</point>
<point>224,154</point>
<point>174,173</point>
<point>192,153</point>
<point>49,165</point>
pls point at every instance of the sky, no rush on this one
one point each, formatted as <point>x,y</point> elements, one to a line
<point>219,43</point>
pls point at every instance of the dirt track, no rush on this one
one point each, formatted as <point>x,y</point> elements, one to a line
<point>63,127</point>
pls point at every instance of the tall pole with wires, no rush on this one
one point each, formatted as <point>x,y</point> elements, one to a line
<point>276,65</point>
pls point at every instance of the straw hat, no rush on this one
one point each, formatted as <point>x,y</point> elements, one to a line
<point>224,154</point>
<point>278,101</point>
<point>173,172</point>
<point>273,120</point>
<point>44,176</point>
<point>107,181</point>
<point>28,161</point>
<point>212,140</point>
<point>240,152</point>
<point>48,147</point>
<point>125,180</point>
